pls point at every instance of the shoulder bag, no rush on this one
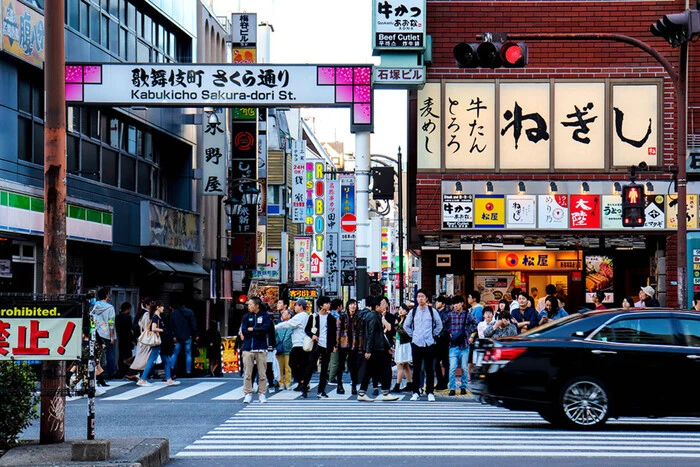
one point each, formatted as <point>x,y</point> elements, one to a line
<point>149,338</point>
<point>308,345</point>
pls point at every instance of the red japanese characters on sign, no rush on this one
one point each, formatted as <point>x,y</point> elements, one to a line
<point>39,332</point>
<point>584,211</point>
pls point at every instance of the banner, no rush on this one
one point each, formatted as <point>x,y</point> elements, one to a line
<point>23,32</point>
<point>302,260</point>
<point>214,154</point>
<point>298,181</point>
<point>32,330</point>
<point>229,355</point>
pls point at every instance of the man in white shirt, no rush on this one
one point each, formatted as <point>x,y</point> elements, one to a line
<point>514,305</point>
<point>423,323</point>
<point>488,319</point>
<point>322,329</point>
<point>297,357</point>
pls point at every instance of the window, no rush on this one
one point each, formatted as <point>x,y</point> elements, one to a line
<point>38,150</point>
<point>655,331</point>
<point>113,37</point>
<point>24,139</point>
<point>104,26</point>
<point>691,330</point>
<point>73,7</point>
<point>24,94</point>
<point>110,167</point>
<point>90,161</point>
<point>95,24</point>
<point>130,140</point>
<point>114,127</point>
<point>84,29</point>
<point>73,119</point>
<point>274,199</point>
<point>130,15</point>
<point>114,8</point>
<point>128,173</point>
<point>143,53</point>
<point>144,179</point>
<point>73,154</point>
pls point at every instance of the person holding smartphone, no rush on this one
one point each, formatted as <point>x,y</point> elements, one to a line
<point>501,327</point>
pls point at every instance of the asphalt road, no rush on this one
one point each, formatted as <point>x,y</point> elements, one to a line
<point>208,425</point>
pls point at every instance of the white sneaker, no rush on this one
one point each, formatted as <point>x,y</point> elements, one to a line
<point>390,397</point>
<point>271,389</point>
<point>365,398</point>
<point>100,392</point>
<point>262,398</point>
<point>144,383</point>
<point>247,398</point>
<point>431,398</point>
<point>415,397</point>
<point>173,383</point>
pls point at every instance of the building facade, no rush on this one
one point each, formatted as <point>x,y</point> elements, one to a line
<point>132,222</point>
<point>516,171</point>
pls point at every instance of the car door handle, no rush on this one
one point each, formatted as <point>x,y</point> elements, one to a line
<point>604,352</point>
<point>693,357</point>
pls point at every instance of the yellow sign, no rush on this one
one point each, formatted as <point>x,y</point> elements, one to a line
<point>23,32</point>
<point>229,356</point>
<point>489,211</point>
<point>244,55</point>
<point>527,260</point>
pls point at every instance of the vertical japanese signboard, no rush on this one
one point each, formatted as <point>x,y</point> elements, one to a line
<point>214,154</point>
<point>672,211</point>
<point>579,125</point>
<point>654,212</point>
<point>524,106</point>
<point>429,118</point>
<point>612,212</point>
<point>32,330</point>
<point>635,124</point>
<point>302,260</point>
<point>315,215</point>
<point>469,125</point>
<point>298,181</point>
<point>347,235</point>
<point>244,37</point>
<point>333,210</point>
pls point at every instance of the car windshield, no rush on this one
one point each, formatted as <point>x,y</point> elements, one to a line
<point>576,320</point>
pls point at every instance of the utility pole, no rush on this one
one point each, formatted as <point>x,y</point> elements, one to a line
<point>53,398</point>
<point>401,230</point>
<point>362,168</point>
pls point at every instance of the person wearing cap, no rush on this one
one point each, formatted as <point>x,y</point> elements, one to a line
<point>298,358</point>
<point>646,298</point>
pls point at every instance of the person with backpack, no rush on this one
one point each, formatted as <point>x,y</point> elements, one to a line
<point>283,348</point>
<point>461,324</point>
<point>422,324</point>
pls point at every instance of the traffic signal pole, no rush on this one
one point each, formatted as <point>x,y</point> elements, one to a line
<point>679,78</point>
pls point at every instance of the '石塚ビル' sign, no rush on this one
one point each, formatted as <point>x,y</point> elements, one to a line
<point>40,330</point>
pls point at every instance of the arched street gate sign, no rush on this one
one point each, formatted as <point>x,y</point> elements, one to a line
<point>228,85</point>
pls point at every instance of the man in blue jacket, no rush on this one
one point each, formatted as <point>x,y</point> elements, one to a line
<point>255,327</point>
<point>184,326</point>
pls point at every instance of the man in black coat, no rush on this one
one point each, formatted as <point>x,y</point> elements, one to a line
<point>376,348</point>
<point>184,326</point>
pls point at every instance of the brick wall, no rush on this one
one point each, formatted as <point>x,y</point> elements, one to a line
<point>450,22</point>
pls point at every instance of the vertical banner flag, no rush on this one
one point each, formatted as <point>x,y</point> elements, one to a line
<point>298,181</point>
<point>302,260</point>
<point>347,232</point>
<point>214,154</point>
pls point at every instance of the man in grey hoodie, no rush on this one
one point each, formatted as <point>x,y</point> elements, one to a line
<point>103,315</point>
<point>298,358</point>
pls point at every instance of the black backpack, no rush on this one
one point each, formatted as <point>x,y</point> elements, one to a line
<point>432,318</point>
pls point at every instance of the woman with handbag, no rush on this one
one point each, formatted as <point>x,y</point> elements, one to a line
<point>402,355</point>
<point>152,338</point>
<point>143,352</point>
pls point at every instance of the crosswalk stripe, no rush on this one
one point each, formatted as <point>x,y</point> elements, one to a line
<point>290,395</point>
<point>190,391</point>
<point>136,392</point>
<point>440,429</point>
<point>112,385</point>
<point>234,395</point>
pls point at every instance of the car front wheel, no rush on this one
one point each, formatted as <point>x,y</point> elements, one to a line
<point>584,403</point>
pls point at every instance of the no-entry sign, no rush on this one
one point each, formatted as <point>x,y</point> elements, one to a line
<point>348,222</point>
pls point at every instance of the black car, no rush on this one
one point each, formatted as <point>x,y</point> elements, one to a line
<point>582,369</point>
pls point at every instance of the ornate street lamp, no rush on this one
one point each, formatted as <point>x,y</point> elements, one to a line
<point>243,192</point>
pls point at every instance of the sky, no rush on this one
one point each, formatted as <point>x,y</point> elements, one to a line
<point>329,32</point>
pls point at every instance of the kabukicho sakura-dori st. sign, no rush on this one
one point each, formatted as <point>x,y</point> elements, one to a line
<point>43,330</point>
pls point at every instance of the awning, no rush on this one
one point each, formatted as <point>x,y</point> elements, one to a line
<point>177,268</point>
<point>193,269</point>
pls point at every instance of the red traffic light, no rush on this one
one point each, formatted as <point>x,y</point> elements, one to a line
<point>241,298</point>
<point>633,195</point>
<point>514,54</point>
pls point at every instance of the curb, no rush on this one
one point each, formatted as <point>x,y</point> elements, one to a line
<point>131,452</point>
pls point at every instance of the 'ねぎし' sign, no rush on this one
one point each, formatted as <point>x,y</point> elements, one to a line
<point>40,330</point>
<point>223,85</point>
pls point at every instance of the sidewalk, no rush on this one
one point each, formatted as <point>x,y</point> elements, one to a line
<point>146,452</point>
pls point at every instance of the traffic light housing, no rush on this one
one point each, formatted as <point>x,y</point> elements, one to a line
<point>677,28</point>
<point>383,183</point>
<point>633,204</point>
<point>492,54</point>
<point>239,300</point>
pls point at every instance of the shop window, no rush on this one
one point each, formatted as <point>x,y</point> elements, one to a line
<point>110,167</point>
<point>128,173</point>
